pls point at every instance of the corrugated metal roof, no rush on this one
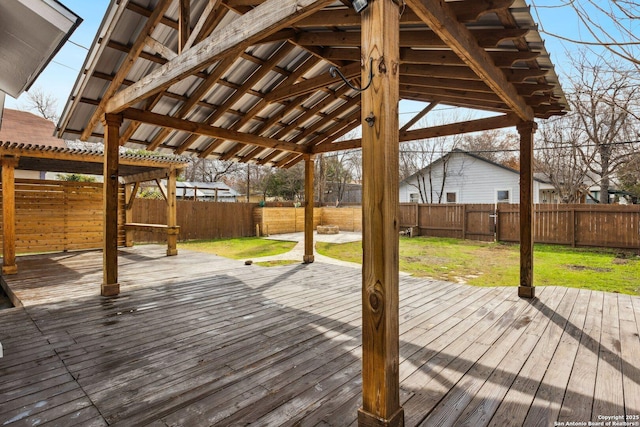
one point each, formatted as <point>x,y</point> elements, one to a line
<point>249,94</point>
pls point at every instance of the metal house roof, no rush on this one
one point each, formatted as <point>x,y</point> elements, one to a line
<point>274,100</point>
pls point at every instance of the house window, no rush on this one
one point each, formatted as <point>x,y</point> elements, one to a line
<point>414,198</point>
<point>503,196</point>
<point>452,197</point>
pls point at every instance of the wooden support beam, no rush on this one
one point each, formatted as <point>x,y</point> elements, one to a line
<point>526,131</point>
<point>201,26</point>
<point>194,98</point>
<point>484,38</point>
<point>380,227</point>
<point>262,70</point>
<point>439,16</point>
<point>184,24</point>
<point>9,164</point>
<point>465,12</point>
<point>269,17</point>
<point>477,125</point>
<point>146,176</point>
<point>126,65</point>
<point>160,49</point>
<point>418,116</point>
<point>172,218</point>
<point>311,85</point>
<point>110,285</point>
<point>202,129</point>
<point>130,191</point>
<point>309,165</point>
<point>163,191</point>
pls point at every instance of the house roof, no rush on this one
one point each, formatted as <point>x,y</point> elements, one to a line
<point>31,33</point>
<point>26,127</point>
<point>205,189</point>
<point>269,98</point>
<point>457,151</point>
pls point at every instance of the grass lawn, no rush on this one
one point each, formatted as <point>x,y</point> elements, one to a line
<point>491,264</point>
<point>242,248</point>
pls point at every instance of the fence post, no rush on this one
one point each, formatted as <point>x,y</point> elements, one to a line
<point>497,223</point>
<point>464,221</point>
<point>574,225</point>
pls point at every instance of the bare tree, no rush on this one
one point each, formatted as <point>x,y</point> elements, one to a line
<point>210,170</point>
<point>559,158</point>
<point>494,145</point>
<point>605,103</point>
<point>416,156</point>
<point>44,104</point>
<point>605,27</point>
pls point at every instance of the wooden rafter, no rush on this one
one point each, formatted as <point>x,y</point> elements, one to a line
<point>184,23</point>
<point>257,75</point>
<point>205,130</point>
<point>245,31</point>
<point>502,59</point>
<point>419,116</point>
<point>414,39</point>
<point>478,125</point>
<point>441,19</point>
<point>126,65</point>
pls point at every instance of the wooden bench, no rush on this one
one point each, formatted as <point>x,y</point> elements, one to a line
<point>171,231</point>
<point>137,226</point>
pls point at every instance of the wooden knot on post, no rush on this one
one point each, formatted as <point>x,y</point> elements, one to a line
<point>375,296</point>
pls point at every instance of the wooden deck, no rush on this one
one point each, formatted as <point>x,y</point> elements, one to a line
<point>198,340</point>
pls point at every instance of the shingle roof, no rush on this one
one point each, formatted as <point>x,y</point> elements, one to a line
<point>28,128</point>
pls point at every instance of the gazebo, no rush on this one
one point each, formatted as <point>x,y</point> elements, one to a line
<point>276,82</point>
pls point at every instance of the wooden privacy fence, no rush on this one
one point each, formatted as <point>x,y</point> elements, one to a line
<point>613,226</point>
<point>291,220</point>
<point>197,220</point>
<point>59,216</point>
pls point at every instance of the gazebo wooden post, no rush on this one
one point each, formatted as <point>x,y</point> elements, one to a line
<point>9,164</point>
<point>526,131</point>
<point>129,196</point>
<point>309,165</point>
<point>380,206</point>
<point>172,218</point>
<point>110,285</point>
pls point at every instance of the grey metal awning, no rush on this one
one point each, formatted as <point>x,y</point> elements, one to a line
<point>31,33</point>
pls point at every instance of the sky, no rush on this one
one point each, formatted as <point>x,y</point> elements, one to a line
<point>60,75</point>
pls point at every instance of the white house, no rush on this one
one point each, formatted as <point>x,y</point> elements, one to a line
<point>462,177</point>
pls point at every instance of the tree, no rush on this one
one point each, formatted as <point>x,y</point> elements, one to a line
<point>629,176</point>
<point>417,155</point>
<point>42,103</point>
<point>494,145</point>
<point>559,158</point>
<point>287,184</point>
<point>210,170</point>
<point>606,27</point>
<point>333,173</point>
<point>605,103</point>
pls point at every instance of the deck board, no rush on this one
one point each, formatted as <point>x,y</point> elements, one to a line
<point>201,340</point>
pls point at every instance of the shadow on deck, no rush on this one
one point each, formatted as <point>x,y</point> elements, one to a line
<point>201,340</point>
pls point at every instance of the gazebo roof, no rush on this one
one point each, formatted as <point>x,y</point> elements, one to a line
<point>69,160</point>
<point>266,95</point>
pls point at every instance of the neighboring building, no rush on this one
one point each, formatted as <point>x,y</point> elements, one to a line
<point>27,128</point>
<point>469,178</point>
<point>206,191</point>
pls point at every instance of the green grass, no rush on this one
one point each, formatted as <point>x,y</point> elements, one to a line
<point>490,264</point>
<point>241,248</point>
